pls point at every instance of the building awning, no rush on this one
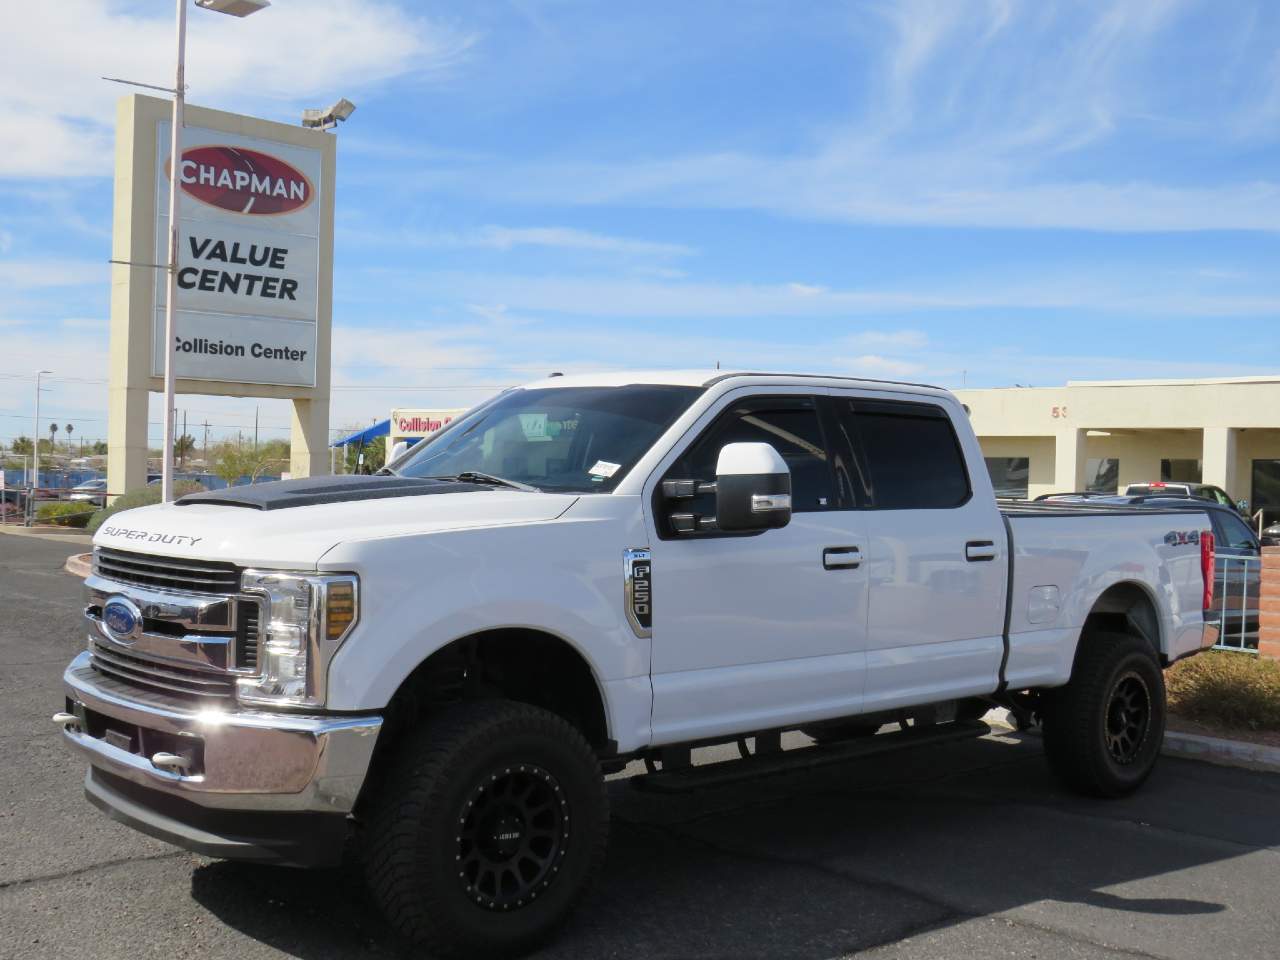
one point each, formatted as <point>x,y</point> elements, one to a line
<point>380,429</point>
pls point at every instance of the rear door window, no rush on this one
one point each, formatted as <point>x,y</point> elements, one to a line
<point>910,455</point>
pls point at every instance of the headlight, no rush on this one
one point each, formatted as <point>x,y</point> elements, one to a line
<point>304,620</point>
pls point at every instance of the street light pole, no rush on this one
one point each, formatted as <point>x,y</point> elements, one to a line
<point>171,267</point>
<point>235,8</point>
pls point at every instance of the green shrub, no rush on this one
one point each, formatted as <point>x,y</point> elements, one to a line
<point>142,497</point>
<point>64,513</point>
<point>1227,689</point>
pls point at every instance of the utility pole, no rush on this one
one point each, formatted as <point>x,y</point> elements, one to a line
<point>255,429</point>
<point>35,437</point>
<point>205,455</point>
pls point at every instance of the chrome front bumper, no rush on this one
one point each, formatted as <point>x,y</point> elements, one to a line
<point>213,759</point>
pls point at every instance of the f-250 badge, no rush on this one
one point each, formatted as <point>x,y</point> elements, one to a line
<point>1180,538</point>
<point>638,580</point>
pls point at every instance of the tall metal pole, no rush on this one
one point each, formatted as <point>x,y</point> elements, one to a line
<point>35,444</point>
<point>175,171</point>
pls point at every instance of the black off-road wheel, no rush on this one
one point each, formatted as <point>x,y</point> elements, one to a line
<point>487,829</point>
<point>1104,729</point>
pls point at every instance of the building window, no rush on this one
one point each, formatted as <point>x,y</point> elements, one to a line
<point>1265,489</point>
<point>1102,475</point>
<point>1009,476</point>
<point>1184,471</point>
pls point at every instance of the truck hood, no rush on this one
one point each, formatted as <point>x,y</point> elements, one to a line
<point>297,537</point>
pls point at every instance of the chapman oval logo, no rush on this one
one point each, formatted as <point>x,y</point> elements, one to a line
<point>122,620</point>
<point>244,181</point>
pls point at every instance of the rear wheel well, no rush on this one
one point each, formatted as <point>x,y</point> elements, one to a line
<point>1124,608</point>
<point>527,666</point>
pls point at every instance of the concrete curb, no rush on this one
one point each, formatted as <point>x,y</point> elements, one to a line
<point>1226,753</point>
<point>6,529</point>
<point>1195,746</point>
<point>79,565</point>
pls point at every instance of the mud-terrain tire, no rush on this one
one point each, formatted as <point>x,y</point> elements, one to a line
<point>491,822</point>
<point>1103,730</point>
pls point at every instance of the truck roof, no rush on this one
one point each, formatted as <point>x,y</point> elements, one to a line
<point>705,378</point>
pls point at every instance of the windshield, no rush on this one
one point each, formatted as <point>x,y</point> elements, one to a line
<point>569,439</point>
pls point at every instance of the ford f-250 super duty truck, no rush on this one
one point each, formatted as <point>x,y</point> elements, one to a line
<point>439,662</point>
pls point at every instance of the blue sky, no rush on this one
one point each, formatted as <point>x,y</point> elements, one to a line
<point>970,193</point>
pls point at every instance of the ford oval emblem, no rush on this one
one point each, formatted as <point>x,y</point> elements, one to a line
<point>122,620</point>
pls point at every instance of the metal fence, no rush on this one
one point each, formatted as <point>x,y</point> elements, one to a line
<point>1236,590</point>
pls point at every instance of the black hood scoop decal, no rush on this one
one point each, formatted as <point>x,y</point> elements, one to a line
<point>310,491</point>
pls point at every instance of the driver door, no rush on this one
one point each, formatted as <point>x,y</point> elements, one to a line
<point>762,629</point>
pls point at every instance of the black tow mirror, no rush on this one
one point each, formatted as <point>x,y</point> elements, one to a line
<point>753,488</point>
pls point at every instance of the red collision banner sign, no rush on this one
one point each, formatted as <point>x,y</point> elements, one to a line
<point>242,180</point>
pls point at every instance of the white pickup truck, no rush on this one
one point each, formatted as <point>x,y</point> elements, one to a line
<point>440,662</point>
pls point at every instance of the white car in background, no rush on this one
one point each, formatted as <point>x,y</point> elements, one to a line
<point>91,491</point>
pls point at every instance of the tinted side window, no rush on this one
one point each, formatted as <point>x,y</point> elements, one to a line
<point>1235,533</point>
<point>911,455</point>
<point>790,425</point>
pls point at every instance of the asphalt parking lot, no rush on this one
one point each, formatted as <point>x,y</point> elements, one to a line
<point>939,852</point>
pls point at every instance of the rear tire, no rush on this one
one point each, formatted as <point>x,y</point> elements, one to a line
<point>492,821</point>
<point>1104,729</point>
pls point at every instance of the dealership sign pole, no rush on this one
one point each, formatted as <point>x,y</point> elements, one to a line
<point>171,265</point>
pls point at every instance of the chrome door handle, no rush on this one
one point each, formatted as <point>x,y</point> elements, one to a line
<point>976,550</point>
<point>841,558</point>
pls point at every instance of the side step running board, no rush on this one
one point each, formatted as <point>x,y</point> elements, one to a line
<point>685,778</point>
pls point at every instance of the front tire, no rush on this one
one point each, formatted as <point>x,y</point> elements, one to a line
<point>1103,730</point>
<point>491,823</point>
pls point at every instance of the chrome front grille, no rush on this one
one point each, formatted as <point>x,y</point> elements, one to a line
<point>155,675</point>
<point>166,573</point>
<point>196,636</point>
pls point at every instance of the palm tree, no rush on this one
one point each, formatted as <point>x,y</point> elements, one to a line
<point>183,446</point>
<point>53,433</point>
<point>67,430</point>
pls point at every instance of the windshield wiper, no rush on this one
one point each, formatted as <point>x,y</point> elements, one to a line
<point>475,476</point>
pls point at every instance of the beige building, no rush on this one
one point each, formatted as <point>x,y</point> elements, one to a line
<point>1103,435</point>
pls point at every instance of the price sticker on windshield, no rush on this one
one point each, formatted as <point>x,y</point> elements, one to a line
<point>604,469</point>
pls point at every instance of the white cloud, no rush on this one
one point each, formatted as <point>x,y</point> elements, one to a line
<point>493,237</point>
<point>504,238</point>
<point>874,365</point>
<point>892,339</point>
<point>973,113</point>
<point>805,289</point>
<point>58,115</point>
<point>1131,293</point>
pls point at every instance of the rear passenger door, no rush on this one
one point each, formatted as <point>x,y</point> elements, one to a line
<point>935,547</point>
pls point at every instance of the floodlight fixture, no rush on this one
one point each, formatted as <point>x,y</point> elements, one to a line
<point>328,117</point>
<point>234,8</point>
